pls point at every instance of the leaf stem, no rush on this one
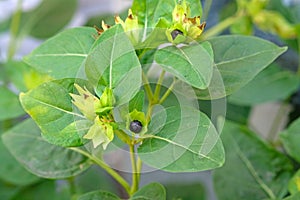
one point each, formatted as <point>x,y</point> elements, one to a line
<point>158,87</point>
<point>107,168</point>
<point>206,9</point>
<point>220,27</point>
<point>167,93</point>
<point>14,28</point>
<point>147,86</point>
<point>298,70</point>
<point>277,122</point>
<point>135,176</point>
<point>139,165</point>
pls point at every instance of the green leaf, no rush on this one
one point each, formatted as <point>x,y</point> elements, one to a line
<point>154,17</point>
<point>63,55</point>
<point>183,191</point>
<point>22,76</point>
<point>100,180</point>
<point>149,12</point>
<point>99,195</point>
<point>151,191</point>
<point>48,18</point>
<point>137,102</point>
<point>191,64</point>
<point>10,106</point>
<point>293,197</point>
<point>290,139</point>
<point>51,108</point>
<point>113,63</point>
<point>39,157</point>
<point>294,184</point>
<point>7,192</point>
<point>271,84</point>
<point>46,190</point>
<point>11,171</point>
<point>253,170</point>
<point>181,140</point>
<point>238,60</point>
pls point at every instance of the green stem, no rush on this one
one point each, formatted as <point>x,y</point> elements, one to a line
<point>277,122</point>
<point>206,9</point>
<point>123,136</point>
<point>72,185</point>
<point>107,168</point>
<point>220,27</point>
<point>158,87</point>
<point>298,71</point>
<point>135,179</point>
<point>139,165</point>
<point>167,93</point>
<point>147,86</point>
<point>14,28</point>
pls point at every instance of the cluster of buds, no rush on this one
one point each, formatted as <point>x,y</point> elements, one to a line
<point>184,28</point>
<point>99,111</point>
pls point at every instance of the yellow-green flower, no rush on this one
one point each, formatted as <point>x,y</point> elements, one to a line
<point>99,111</point>
<point>101,133</point>
<point>184,28</point>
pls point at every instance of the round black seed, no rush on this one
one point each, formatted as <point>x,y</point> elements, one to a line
<point>135,126</point>
<point>175,33</point>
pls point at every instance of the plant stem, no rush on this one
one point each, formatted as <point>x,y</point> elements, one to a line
<point>14,28</point>
<point>167,93</point>
<point>139,165</point>
<point>298,70</point>
<point>72,185</point>
<point>206,9</point>
<point>276,123</point>
<point>158,87</point>
<point>135,178</point>
<point>220,27</point>
<point>107,168</point>
<point>147,86</point>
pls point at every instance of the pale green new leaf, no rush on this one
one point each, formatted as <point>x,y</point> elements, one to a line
<point>25,143</point>
<point>181,140</point>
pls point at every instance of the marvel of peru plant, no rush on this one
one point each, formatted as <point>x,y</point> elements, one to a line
<point>148,87</point>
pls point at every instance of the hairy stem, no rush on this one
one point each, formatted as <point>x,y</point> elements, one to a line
<point>107,168</point>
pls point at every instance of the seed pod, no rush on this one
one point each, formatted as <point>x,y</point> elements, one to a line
<point>176,32</point>
<point>136,126</point>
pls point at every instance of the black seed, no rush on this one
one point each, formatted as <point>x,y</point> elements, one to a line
<point>135,126</point>
<point>175,33</point>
